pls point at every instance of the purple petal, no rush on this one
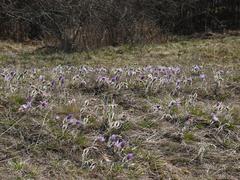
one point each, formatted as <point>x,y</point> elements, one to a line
<point>130,156</point>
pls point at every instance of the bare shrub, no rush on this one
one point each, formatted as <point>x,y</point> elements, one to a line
<point>88,24</point>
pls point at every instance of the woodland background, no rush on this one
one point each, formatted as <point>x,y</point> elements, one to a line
<point>89,24</point>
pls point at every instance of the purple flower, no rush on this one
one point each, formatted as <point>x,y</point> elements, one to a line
<point>101,139</point>
<point>214,118</point>
<point>34,71</point>
<point>178,82</point>
<point>189,80</point>
<point>78,123</point>
<point>62,80</point>
<point>103,79</point>
<point>119,70</point>
<point>202,76</point>
<point>113,138</point>
<point>25,107</point>
<point>69,117</point>
<point>157,107</point>
<point>12,73</point>
<point>8,78</point>
<point>53,83</point>
<point>120,144</point>
<point>130,156</point>
<point>196,68</point>
<point>142,77</point>
<point>29,98</point>
<point>114,79</point>
<point>43,104</point>
<point>174,103</point>
<point>41,78</point>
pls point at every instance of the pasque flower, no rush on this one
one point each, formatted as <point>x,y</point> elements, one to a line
<point>25,107</point>
<point>43,104</point>
<point>113,138</point>
<point>130,156</point>
<point>120,144</point>
<point>202,76</point>
<point>100,139</point>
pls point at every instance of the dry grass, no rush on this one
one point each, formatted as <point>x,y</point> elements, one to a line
<point>176,128</point>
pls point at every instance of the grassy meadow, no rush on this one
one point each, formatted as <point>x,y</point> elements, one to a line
<point>157,111</point>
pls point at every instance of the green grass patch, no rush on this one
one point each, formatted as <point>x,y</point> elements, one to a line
<point>189,137</point>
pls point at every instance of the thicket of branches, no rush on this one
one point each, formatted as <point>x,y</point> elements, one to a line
<point>83,24</point>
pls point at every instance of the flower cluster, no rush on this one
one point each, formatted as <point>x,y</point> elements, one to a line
<point>85,101</point>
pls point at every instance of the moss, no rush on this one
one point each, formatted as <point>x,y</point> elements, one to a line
<point>17,165</point>
<point>17,99</point>
<point>175,111</point>
<point>200,126</point>
<point>147,124</point>
<point>68,109</point>
<point>236,79</point>
<point>235,113</point>
<point>223,96</point>
<point>189,136</point>
<point>127,126</point>
<point>231,126</point>
<point>196,111</point>
<point>92,120</point>
<point>116,169</point>
<point>180,160</point>
<point>228,143</point>
<point>7,122</point>
<point>81,140</point>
